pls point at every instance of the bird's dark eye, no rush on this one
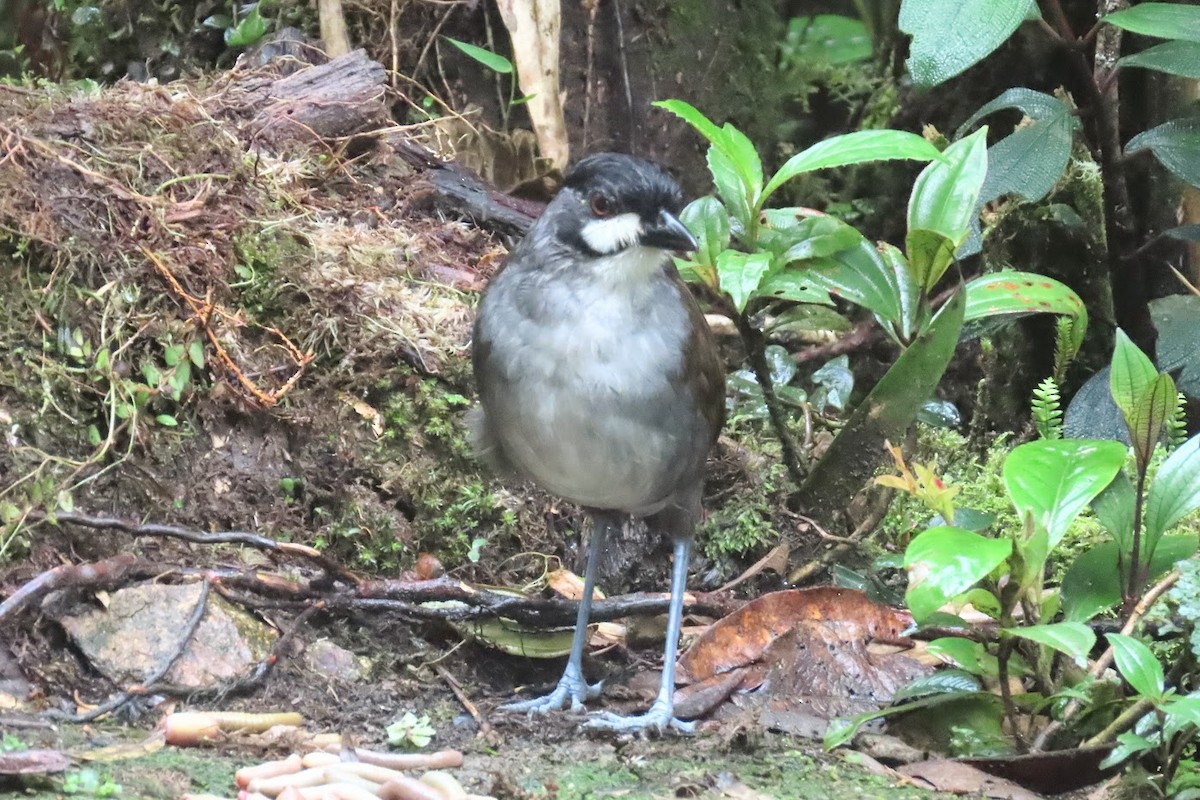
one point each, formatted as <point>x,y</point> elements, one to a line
<point>601,205</point>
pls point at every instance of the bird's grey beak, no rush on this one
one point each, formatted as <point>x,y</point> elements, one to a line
<point>667,233</point>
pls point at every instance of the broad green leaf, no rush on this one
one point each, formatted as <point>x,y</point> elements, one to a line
<point>945,562</point>
<point>741,273</point>
<point>964,653</point>
<point>745,159</point>
<point>1186,708</point>
<point>1138,666</point>
<point>173,354</point>
<point>914,315</point>
<point>945,196</point>
<point>1164,20</point>
<point>841,730</point>
<point>790,283</point>
<point>1114,508</point>
<point>823,236</point>
<point>1153,408</point>
<point>942,682</point>
<point>886,412</point>
<point>825,39</point>
<point>1174,58</point>
<point>248,32</point>
<point>1177,320</point>
<point>196,353</point>
<point>1132,372</point>
<point>1092,583</point>
<point>708,221</point>
<point>794,234</point>
<point>929,253</point>
<point>950,35</point>
<point>863,276</point>
<point>730,185</point>
<point>1030,160</point>
<point>1175,492</point>
<point>1017,294</point>
<point>854,148</point>
<point>1055,479</point>
<point>805,317</point>
<point>1176,144</point>
<point>1074,639</point>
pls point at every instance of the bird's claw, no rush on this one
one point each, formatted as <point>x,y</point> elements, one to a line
<point>658,719</point>
<point>575,690</point>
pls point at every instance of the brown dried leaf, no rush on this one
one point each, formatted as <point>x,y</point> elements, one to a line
<point>741,638</point>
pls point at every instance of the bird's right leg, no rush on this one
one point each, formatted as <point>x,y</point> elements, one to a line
<point>572,686</point>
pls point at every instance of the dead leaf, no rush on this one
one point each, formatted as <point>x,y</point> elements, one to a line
<point>946,775</point>
<point>569,585</point>
<point>33,762</point>
<point>741,638</point>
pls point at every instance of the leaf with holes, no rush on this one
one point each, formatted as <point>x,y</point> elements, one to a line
<point>741,274</point>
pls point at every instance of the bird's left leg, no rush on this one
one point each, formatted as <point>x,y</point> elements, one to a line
<point>572,686</point>
<point>661,714</point>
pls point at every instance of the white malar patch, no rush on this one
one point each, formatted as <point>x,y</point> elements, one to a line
<point>612,234</point>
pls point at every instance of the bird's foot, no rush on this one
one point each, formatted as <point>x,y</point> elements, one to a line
<point>570,688</point>
<point>658,718</point>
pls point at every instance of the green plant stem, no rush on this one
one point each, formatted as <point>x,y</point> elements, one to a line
<point>1003,654</point>
<point>752,339</point>
<point>1136,568</point>
<point>1124,721</point>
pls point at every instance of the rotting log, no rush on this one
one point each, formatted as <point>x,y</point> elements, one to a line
<point>328,101</point>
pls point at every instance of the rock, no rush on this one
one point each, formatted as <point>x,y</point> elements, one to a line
<point>332,661</point>
<point>141,628</point>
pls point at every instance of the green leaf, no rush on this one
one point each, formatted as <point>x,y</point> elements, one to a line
<point>1114,508</point>
<point>1174,58</point>
<point>741,274</point>
<point>1030,160</point>
<point>1163,20</point>
<point>173,354</point>
<point>862,276</point>
<point>945,196</point>
<point>1055,479</point>
<point>730,186</point>
<point>964,653</point>
<point>1176,144</point>
<point>93,435</point>
<point>708,221</point>
<point>795,237</point>
<point>854,148</point>
<point>886,412</point>
<point>1132,372</point>
<point>942,682</point>
<point>1073,639</point>
<point>493,61</point>
<point>1177,320</point>
<point>745,160</point>
<point>825,39</point>
<point>945,562</point>
<point>196,353</point>
<point>805,317</point>
<point>930,253</point>
<point>1154,406</point>
<point>1018,294</point>
<point>1187,708</point>
<point>166,420</point>
<point>1138,666</point>
<point>790,283</point>
<point>1092,583</point>
<point>252,28</point>
<point>950,35</point>
<point>1175,492</point>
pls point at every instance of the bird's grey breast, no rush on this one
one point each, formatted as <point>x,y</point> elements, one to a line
<point>582,387</point>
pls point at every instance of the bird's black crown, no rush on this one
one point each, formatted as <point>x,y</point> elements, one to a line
<point>629,183</point>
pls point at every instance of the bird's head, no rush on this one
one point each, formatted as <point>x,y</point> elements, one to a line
<point>610,203</point>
